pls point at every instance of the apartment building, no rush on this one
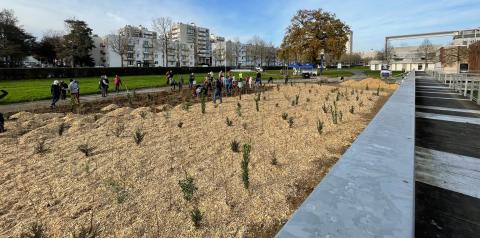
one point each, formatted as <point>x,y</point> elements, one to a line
<point>142,48</point>
<point>99,53</point>
<point>199,37</point>
<point>466,37</point>
<point>180,54</point>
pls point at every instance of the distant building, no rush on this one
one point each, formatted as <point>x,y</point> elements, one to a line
<point>98,53</point>
<point>466,37</point>
<point>199,37</point>
<point>407,58</point>
<point>144,48</point>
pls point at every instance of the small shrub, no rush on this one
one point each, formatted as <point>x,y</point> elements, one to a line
<point>319,126</point>
<point>264,98</point>
<point>352,110</point>
<point>244,125</point>
<point>143,114</point>
<point>118,130</point>
<point>40,148</point>
<point>309,91</point>
<point>239,109</point>
<point>293,103</point>
<point>188,187</point>
<point>334,115</point>
<point>340,116</point>
<point>360,104</point>
<point>366,87</point>
<point>290,122</point>
<point>338,97</point>
<point>276,105</point>
<point>278,87</point>
<point>324,108</point>
<point>327,97</point>
<point>120,191</point>
<point>180,125</point>
<point>284,116</point>
<point>273,160</point>
<point>257,106</point>
<point>203,103</point>
<point>244,165</point>
<point>378,91</point>
<point>61,128</point>
<point>138,136</point>
<point>196,217</point>
<point>308,99</point>
<point>357,98</point>
<point>296,99</point>
<point>235,146</point>
<point>86,149</point>
<point>36,230</point>
<point>229,122</point>
<point>91,231</point>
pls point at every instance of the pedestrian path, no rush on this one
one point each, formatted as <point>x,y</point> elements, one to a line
<point>447,166</point>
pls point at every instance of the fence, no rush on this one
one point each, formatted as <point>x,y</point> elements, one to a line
<point>467,84</point>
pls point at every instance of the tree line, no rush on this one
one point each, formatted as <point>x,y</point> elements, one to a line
<point>56,48</point>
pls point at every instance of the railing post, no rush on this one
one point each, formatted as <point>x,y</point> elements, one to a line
<point>466,86</point>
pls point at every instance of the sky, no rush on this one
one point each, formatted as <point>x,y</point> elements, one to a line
<point>370,20</point>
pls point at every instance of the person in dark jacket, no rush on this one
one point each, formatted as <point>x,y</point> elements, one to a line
<point>63,90</point>
<point>218,91</point>
<point>55,90</point>
<point>190,80</point>
<point>104,85</point>
<point>2,121</point>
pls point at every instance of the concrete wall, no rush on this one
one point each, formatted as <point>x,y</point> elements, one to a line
<point>370,191</point>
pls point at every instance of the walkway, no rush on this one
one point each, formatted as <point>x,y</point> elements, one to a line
<point>447,165</point>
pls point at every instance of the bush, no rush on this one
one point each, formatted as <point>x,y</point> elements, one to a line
<point>296,99</point>
<point>61,128</point>
<point>196,217</point>
<point>235,146</point>
<point>244,165</point>
<point>180,125</point>
<point>324,108</point>
<point>138,136</point>
<point>229,122</point>
<point>290,122</point>
<point>352,110</point>
<point>118,130</point>
<point>284,116</point>
<point>239,109</point>
<point>36,230</point>
<point>40,148</point>
<point>91,231</point>
<point>188,187</point>
<point>319,126</point>
<point>257,106</point>
<point>86,149</point>
<point>203,102</point>
<point>273,160</point>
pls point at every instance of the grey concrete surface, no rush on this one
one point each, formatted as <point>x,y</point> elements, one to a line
<point>370,191</point>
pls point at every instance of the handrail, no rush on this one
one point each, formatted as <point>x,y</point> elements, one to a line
<point>466,84</point>
<point>370,190</point>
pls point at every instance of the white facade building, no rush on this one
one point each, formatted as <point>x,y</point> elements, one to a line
<point>199,37</point>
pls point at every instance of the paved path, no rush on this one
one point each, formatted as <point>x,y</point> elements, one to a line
<point>447,166</point>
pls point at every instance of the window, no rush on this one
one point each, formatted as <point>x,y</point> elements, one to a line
<point>420,67</point>
<point>463,68</point>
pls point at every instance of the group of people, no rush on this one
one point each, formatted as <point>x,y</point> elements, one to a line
<point>228,83</point>
<point>59,89</point>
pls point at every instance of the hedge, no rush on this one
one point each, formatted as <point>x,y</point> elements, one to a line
<point>42,73</point>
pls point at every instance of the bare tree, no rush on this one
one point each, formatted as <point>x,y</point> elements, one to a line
<point>237,50</point>
<point>163,26</point>
<point>426,51</point>
<point>119,44</point>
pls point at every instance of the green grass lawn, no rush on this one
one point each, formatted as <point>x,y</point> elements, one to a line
<point>38,89</point>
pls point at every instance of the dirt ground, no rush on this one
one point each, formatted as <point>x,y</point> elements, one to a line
<point>129,190</point>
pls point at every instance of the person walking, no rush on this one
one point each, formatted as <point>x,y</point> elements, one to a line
<point>190,80</point>
<point>2,121</point>
<point>74,91</point>
<point>258,80</point>
<point>118,83</point>
<point>55,91</point>
<point>63,90</point>
<point>104,85</point>
<point>218,91</point>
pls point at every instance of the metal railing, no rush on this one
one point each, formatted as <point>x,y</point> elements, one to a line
<point>466,84</point>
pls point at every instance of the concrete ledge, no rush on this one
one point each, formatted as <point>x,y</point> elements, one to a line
<point>370,191</point>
